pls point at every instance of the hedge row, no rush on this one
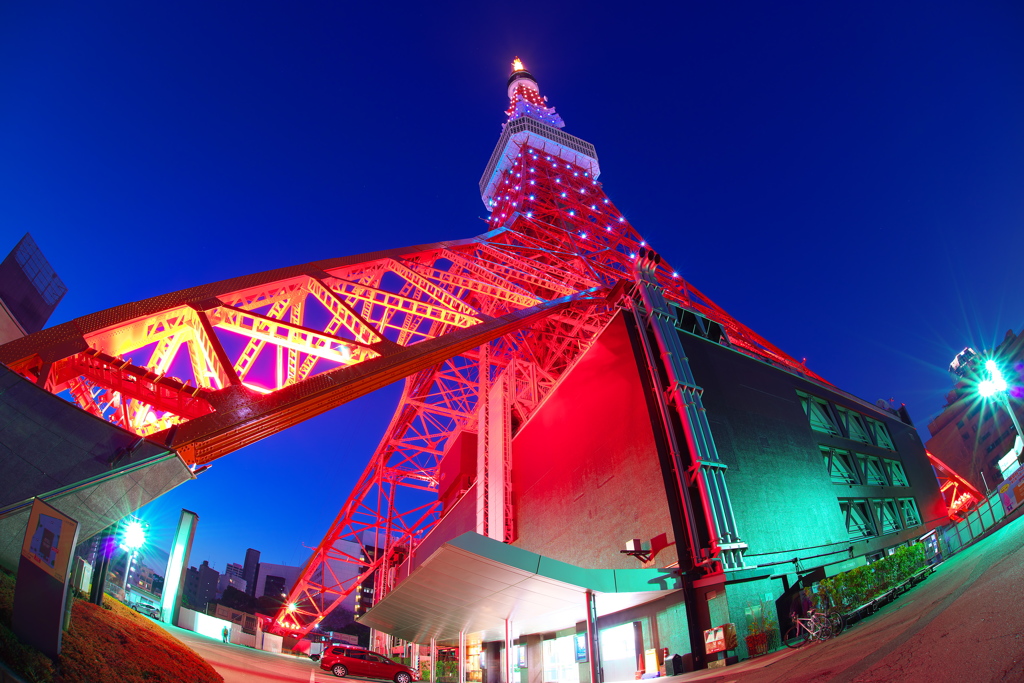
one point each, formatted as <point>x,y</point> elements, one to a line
<point>858,586</point>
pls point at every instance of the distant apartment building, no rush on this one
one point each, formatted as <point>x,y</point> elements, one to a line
<point>200,585</point>
<point>276,579</point>
<point>234,569</point>
<point>229,581</point>
<point>145,577</point>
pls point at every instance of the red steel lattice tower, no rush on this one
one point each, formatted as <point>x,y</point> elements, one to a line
<point>482,329</point>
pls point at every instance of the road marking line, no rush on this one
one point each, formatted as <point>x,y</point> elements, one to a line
<point>312,674</point>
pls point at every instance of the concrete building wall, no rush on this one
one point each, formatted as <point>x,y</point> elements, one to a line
<point>586,470</point>
<point>9,327</point>
<point>782,494</point>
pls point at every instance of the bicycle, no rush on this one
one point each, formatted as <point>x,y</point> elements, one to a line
<point>837,621</point>
<point>816,625</point>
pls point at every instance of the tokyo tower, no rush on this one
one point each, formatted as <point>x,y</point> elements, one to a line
<point>481,329</point>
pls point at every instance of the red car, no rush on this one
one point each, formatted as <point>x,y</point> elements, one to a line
<point>356,661</point>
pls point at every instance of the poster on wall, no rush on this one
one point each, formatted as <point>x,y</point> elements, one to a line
<point>49,540</point>
<point>1011,491</point>
<point>580,643</point>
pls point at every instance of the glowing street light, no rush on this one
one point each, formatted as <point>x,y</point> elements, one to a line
<point>995,386</point>
<point>133,537</point>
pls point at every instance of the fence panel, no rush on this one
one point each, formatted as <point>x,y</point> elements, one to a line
<point>974,519</point>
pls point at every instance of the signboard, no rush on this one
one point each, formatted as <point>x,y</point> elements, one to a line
<point>49,540</point>
<point>652,660</point>
<point>580,643</point>
<point>714,640</point>
<point>40,606</point>
<point>720,639</point>
<point>1011,491</point>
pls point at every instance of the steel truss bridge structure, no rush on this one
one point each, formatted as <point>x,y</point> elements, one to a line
<point>480,329</point>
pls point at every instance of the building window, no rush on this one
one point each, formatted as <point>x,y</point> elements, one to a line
<point>840,465</point>
<point>911,517</point>
<point>897,477</point>
<point>888,517</point>
<point>859,522</point>
<point>881,434</point>
<point>820,414</point>
<point>854,425</point>
<point>873,474</point>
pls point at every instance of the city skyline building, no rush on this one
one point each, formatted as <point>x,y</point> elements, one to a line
<point>200,586</point>
<point>251,569</point>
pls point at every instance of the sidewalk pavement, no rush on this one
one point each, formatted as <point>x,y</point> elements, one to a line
<point>728,672</point>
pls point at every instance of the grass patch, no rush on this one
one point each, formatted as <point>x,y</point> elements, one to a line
<point>104,644</point>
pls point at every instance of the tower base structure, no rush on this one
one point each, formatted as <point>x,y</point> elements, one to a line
<point>593,468</point>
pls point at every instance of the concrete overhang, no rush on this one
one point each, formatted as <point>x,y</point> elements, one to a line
<point>474,584</point>
<point>91,470</point>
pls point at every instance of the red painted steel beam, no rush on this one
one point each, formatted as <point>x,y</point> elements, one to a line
<point>246,417</point>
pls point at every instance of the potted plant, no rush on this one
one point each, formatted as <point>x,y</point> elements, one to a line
<point>760,626</point>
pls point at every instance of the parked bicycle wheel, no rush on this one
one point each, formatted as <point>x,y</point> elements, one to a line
<point>824,629</point>
<point>796,636</point>
<point>837,621</point>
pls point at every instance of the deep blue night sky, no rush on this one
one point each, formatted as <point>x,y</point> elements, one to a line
<point>846,179</point>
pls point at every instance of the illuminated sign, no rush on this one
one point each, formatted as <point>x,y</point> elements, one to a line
<point>962,501</point>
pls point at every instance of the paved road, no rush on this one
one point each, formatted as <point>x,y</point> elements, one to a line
<point>239,664</point>
<point>964,623</point>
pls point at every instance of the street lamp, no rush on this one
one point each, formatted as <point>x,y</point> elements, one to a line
<point>995,386</point>
<point>132,538</point>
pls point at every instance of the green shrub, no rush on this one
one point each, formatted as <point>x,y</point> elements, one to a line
<point>760,617</point>
<point>857,586</point>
